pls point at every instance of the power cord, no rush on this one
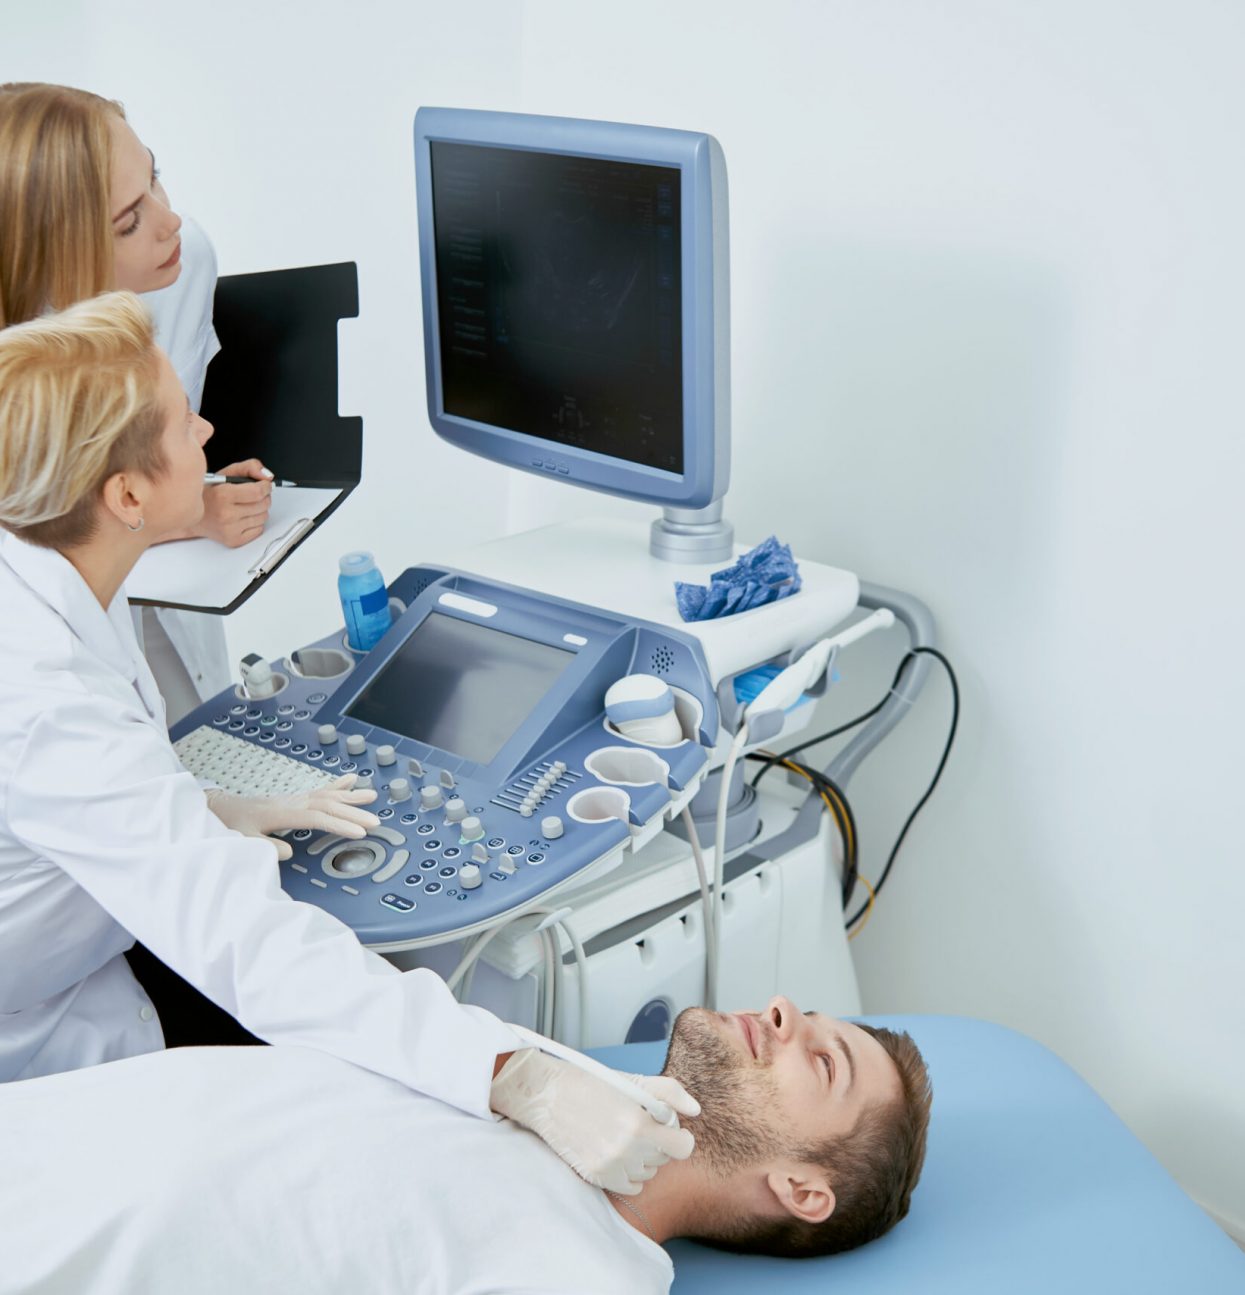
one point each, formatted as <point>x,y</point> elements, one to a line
<point>836,801</point>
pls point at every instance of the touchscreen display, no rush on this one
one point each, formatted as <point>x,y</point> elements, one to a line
<point>461,687</point>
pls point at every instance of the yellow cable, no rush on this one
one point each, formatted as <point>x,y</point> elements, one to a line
<point>864,920</point>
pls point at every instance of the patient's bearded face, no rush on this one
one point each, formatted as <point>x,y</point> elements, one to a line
<point>737,1094</point>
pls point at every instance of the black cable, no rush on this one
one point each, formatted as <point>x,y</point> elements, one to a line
<point>929,791</point>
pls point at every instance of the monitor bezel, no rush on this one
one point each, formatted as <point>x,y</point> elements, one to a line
<point>705,303</point>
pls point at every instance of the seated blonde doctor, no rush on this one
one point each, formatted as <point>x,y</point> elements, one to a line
<point>105,838</point>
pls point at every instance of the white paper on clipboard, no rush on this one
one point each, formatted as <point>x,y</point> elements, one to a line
<point>202,573</point>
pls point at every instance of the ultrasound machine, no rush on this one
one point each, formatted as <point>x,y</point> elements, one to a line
<point>532,850</point>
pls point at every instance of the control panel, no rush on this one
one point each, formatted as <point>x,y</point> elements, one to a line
<point>480,721</point>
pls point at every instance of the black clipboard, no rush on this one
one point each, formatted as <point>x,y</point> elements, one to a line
<point>271,393</point>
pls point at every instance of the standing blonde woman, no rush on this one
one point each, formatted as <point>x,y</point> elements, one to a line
<point>82,210</point>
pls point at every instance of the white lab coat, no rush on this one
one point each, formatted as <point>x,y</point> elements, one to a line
<point>105,838</point>
<point>183,317</point>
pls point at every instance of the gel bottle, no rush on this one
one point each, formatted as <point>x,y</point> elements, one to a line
<point>365,601</point>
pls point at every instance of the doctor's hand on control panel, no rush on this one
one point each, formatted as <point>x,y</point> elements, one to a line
<point>335,808</point>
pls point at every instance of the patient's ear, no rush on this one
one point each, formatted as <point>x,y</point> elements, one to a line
<point>803,1192</point>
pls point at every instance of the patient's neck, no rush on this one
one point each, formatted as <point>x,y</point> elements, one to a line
<point>670,1202</point>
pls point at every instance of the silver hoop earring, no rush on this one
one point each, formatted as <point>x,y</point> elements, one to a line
<point>139,527</point>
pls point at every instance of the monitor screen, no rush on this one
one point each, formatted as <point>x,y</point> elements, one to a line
<point>461,687</point>
<point>559,293</point>
<point>576,300</point>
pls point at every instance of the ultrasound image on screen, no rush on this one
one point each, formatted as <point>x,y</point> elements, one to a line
<point>460,687</point>
<point>559,296</point>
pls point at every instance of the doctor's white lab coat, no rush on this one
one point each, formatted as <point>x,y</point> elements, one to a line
<point>105,838</point>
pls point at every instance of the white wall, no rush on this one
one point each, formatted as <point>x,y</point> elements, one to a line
<point>986,274</point>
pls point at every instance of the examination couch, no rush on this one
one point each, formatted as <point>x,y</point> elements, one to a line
<point>1031,1185</point>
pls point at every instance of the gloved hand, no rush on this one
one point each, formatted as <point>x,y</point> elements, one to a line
<point>606,1138</point>
<point>332,808</point>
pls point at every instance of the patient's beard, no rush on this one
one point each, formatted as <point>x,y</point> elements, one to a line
<point>731,1131</point>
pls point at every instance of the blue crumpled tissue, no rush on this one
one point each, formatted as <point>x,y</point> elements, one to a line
<point>764,574</point>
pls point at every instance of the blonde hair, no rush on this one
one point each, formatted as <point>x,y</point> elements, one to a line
<point>56,242</point>
<point>79,402</point>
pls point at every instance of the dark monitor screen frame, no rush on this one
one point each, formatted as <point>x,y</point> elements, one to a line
<point>705,340</point>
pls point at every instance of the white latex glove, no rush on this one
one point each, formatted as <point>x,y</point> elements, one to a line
<point>331,808</point>
<point>609,1140</point>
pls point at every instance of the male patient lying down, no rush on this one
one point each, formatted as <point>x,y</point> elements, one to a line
<point>286,1170</point>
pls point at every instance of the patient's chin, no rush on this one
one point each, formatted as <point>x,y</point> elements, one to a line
<point>730,1131</point>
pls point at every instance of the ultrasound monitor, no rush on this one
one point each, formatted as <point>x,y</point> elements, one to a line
<point>576,301</point>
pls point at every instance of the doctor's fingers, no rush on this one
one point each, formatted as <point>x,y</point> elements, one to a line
<point>675,1143</point>
<point>254,492</point>
<point>668,1089</point>
<point>345,820</point>
<point>246,468</point>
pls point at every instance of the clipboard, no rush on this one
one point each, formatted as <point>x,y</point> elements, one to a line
<point>270,393</point>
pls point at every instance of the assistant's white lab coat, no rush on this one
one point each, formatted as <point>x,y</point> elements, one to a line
<point>105,838</point>
<point>182,314</point>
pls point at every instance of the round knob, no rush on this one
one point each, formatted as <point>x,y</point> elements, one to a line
<point>429,797</point>
<point>469,876</point>
<point>399,790</point>
<point>455,809</point>
<point>356,744</point>
<point>385,754</point>
<point>472,829</point>
<point>551,827</point>
<point>364,782</point>
<point>327,734</point>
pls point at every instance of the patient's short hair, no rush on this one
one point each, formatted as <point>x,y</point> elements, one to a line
<point>79,401</point>
<point>872,1170</point>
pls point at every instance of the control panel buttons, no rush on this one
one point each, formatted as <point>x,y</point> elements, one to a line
<point>236,725</point>
<point>551,828</point>
<point>453,852</point>
<point>399,790</point>
<point>386,755</point>
<point>507,868</point>
<point>363,782</point>
<point>281,743</point>
<point>385,813</point>
<point>499,876</point>
<point>266,735</point>
<point>250,731</point>
<point>479,854</point>
<point>315,754</point>
<point>302,714</point>
<point>349,766</point>
<point>515,851</point>
<point>332,761</point>
<point>447,780</point>
<point>326,734</point>
<point>424,828</point>
<point>284,726</point>
<point>414,768</point>
<point>432,888</point>
<point>237,710</point>
<point>469,876</point>
<point>448,872</point>
<point>407,818</point>
<point>254,713</point>
<point>356,743</point>
<point>472,829</point>
<point>317,697</point>
<point>298,748</point>
<point>399,903</point>
<point>301,834</point>
<point>432,845</point>
<point>496,842</point>
<point>220,719</point>
<point>455,809</point>
<point>285,709</point>
<point>535,858</point>
<point>430,797</point>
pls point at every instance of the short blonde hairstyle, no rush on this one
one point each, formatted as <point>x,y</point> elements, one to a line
<point>56,242</point>
<point>79,402</point>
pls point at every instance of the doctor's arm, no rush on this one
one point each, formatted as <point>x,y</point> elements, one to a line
<point>100,793</point>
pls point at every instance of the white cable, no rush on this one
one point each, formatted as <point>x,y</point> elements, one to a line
<point>581,965</point>
<point>719,852</point>
<point>546,944</point>
<point>706,906</point>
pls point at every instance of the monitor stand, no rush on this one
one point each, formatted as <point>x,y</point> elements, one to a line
<point>692,535</point>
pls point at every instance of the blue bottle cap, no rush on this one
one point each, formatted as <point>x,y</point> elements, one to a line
<point>356,563</point>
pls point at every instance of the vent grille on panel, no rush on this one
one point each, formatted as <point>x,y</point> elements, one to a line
<point>663,659</point>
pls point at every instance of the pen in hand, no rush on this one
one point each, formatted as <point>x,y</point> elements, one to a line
<point>216,479</point>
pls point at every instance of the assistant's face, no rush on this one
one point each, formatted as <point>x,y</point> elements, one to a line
<point>774,1081</point>
<point>177,500</point>
<point>146,243</point>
